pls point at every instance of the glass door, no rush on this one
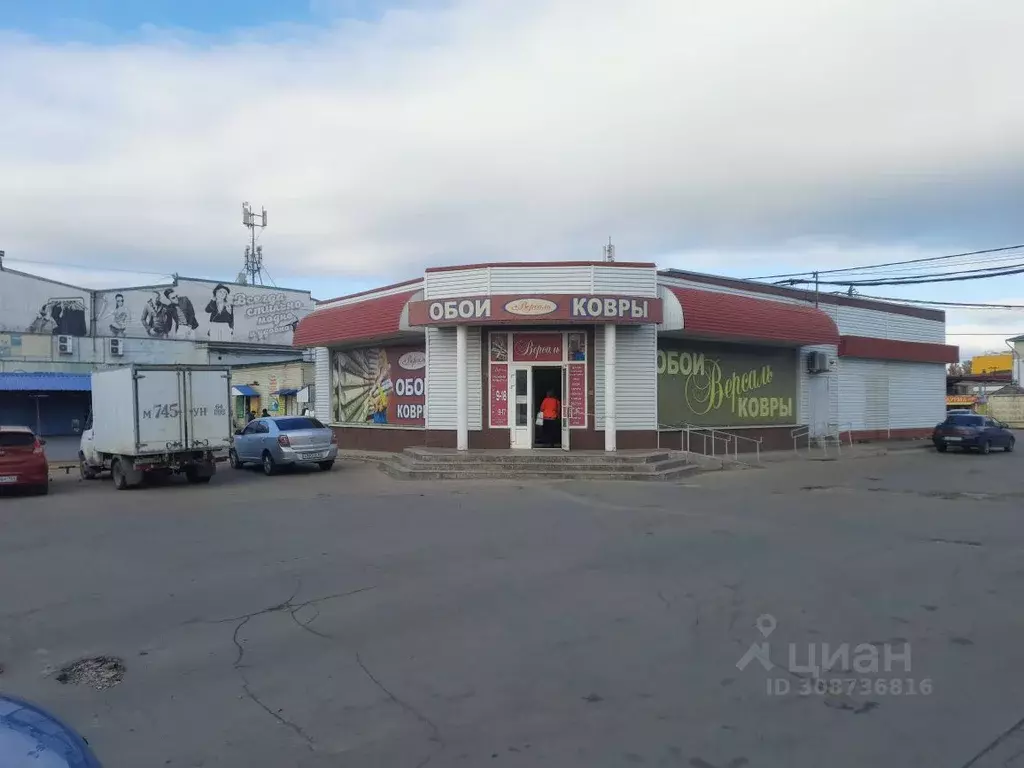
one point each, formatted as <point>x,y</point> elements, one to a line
<point>520,395</point>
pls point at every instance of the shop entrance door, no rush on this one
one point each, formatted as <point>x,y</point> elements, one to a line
<point>520,396</point>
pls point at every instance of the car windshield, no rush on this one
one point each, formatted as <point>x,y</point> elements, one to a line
<point>964,420</point>
<point>299,422</point>
<point>16,439</point>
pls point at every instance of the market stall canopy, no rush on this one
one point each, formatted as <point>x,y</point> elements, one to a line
<point>359,321</point>
<point>288,392</point>
<point>732,317</point>
<point>45,382</point>
<point>244,390</point>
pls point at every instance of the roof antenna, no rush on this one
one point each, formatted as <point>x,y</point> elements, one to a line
<point>609,251</point>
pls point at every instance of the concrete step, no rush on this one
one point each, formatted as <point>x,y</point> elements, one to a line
<point>469,465</point>
<point>404,467</point>
<point>546,458</point>
<point>406,473</point>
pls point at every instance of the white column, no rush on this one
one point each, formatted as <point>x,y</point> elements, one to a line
<point>461,394</point>
<point>609,387</point>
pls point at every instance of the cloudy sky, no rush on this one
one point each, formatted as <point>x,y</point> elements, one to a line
<point>732,136</point>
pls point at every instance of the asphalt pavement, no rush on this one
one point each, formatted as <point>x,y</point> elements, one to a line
<point>344,618</point>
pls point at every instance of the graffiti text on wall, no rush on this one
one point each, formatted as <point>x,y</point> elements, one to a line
<point>273,312</point>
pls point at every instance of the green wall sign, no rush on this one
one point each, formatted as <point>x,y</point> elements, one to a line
<point>725,385</point>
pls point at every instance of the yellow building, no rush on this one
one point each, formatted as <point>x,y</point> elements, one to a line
<point>282,388</point>
<point>992,363</point>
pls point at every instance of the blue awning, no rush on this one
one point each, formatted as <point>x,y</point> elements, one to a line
<point>45,382</point>
<point>244,390</point>
<point>289,392</point>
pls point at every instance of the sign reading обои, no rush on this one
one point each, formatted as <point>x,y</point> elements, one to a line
<point>633,310</point>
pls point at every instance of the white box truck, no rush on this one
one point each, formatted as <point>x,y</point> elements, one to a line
<point>156,420</point>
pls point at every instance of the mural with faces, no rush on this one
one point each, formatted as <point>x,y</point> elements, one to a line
<point>199,310</point>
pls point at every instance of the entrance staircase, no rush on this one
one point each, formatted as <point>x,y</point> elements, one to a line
<point>449,464</point>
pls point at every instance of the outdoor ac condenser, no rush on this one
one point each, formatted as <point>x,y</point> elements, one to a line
<point>817,362</point>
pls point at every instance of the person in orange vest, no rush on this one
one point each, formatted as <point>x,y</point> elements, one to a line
<point>549,408</point>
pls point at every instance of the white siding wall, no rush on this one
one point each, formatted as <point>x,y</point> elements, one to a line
<point>540,279</point>
<point>886,394</point>
<point>442,373</point>
<point>474,374</point>
<point>598,364</point>
<point>629,281</point>
<point>322,384</point>
<point>636,377</point>
<point>805,381</point>
<point>856,321</point>
<point>917,394</point>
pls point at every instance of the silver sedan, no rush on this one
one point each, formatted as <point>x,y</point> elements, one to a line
<point>277,441</point>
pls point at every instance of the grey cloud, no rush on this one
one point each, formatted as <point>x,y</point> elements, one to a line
<point>493,129</point>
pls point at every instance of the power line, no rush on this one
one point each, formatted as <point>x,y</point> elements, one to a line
<point>896,263</point>
<point>942,277</point>
<point>924,302</point>
<point>88,267</point>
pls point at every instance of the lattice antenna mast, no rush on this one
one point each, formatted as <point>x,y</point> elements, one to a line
<point>253,253</point>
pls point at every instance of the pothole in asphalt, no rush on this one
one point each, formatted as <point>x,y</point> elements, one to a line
<point>99,672</point>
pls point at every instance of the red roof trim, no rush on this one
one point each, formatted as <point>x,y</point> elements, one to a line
<point>804,295</point>
<point>358,322</point>
<point>371,290</point>
<point>543,265</point>
<point>890,349</point>
<point>714,314</point>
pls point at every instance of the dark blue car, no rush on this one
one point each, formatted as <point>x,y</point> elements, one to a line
<point>971,431</point>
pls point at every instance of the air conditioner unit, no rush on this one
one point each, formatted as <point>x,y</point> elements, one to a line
<point>117,347</point>
<point>66,345</point>
<point>817,362</point>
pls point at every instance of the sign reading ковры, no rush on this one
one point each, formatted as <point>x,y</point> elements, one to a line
<point>725,385</point>
<point>633,310</point>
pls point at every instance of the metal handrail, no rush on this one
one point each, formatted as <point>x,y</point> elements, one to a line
<point>798,432</point>
<point>729,438</point>
<point>839,430</point>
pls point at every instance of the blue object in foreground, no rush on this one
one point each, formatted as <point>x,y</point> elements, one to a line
<point>33,738</point>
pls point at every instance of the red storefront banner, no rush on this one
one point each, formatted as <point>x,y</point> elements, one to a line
<point>499,395</point>
<point>577,395</point>
<point>520,310</point>
<point>536,347</point>
<point>406,368</point>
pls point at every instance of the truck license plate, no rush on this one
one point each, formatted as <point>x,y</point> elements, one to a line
<point>8,479</point>
<point>312,456</point>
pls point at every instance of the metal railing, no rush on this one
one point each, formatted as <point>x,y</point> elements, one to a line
<point>832,434</point>
<point>730,440</point>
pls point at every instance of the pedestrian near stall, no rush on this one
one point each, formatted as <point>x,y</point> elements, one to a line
<point>549,409</point>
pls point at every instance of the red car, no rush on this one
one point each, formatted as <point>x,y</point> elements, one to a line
<point>23,463</point>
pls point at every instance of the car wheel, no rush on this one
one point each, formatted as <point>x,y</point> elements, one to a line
<point>43,489</point>
<point>1009,446</point>
<point>986,448</point>
<point>118,475</point>
<point>234,460</point>
<point>941,447</point>
<point>325,465</point>
<point>85,471</point>
<point>269,465</point>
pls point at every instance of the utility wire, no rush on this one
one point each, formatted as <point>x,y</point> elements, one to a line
<point>924,302</point>
<point>904,281</point>
<point>896,263</point>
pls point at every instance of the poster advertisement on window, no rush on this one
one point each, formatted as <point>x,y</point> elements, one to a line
<point>379,386</point>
